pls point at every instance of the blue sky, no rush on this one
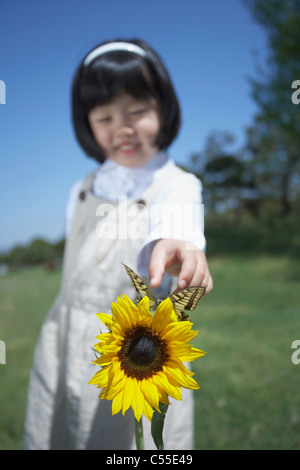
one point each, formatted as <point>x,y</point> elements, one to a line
<point>207,46</point>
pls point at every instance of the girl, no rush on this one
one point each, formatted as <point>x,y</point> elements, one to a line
<point>125,115</point>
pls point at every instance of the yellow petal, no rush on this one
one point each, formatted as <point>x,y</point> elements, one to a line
<point>145,315</point>
<point>131,385</point>
<point>163,315</point>
<point>170,389</point>
<point>191,335</point>
<point>120,316</point>
<point>138,402</point>
<point>177,364</point>
<point>104,359</point>
<point>104,337</point>
<point>150,392</point>
<point>115,373</point>
<point>106,319</point>
<point>117,403</point>
<point>148,410</point>
<point>184,352</point>
<point>111,392</point>
<point>178,331</point>
<point>175,376</point>
<point>117,331</point>
<point>100,378</point>
<point>129,309</point>
<point>163,397</point>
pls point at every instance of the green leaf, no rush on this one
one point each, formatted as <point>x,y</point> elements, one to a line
<point>157,426</point>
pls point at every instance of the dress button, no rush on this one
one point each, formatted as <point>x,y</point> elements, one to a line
<point>141,202</point>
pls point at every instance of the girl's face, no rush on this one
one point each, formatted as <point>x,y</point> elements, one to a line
<point>126,129</point>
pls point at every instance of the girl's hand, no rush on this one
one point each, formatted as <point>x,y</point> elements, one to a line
<point>182,259</point>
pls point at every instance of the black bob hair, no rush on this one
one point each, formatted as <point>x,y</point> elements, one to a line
<point>123,71</point>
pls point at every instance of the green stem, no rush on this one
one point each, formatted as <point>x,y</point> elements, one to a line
<point>139,435</point>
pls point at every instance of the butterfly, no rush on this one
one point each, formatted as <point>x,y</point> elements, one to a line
<point>184,299</point>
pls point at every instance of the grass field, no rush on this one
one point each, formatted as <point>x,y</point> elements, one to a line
<point>249,395</point>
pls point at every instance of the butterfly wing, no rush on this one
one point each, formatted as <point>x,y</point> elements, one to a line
<point>141,288</point>
<point>186,299</point>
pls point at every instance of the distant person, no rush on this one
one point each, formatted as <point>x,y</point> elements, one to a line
<point>125,115</point>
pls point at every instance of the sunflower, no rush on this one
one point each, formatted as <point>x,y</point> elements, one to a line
<point>141,356</point>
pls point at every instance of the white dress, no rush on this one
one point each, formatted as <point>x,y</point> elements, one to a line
<point>63,410</point>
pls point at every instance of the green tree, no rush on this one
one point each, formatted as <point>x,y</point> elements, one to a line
<point>38,251</point>
<point>274,139</point>
<point>228,183</point>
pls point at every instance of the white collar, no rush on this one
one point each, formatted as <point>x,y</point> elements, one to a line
<point>113,180</point>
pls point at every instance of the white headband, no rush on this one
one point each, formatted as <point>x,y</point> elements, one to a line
<point>113,46</point>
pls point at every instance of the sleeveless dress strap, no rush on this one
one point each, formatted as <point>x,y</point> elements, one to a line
<point>87,181</point>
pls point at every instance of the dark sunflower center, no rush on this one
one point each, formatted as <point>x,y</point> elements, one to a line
<point>143,352</point>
